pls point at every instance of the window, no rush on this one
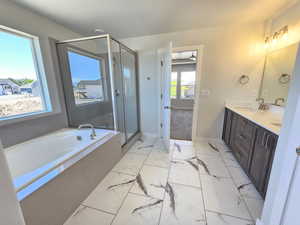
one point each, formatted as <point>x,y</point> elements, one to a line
<point>87,77</point>
<point>23,88</point>
<point>173,85</point>
<point>187,85</point>
<point>183,84</point>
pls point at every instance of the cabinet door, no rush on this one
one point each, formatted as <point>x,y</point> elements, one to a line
<point>243,140</point>
<point>272,143</point>
<point>227,126</point>
<point>261,158</point>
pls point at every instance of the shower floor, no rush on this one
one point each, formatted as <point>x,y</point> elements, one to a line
<point>192,184</point>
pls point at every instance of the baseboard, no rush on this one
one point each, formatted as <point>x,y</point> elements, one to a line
<point>199,139</point>
<point>149,135</point>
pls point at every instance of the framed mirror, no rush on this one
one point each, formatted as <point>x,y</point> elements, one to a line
<point>278,70</point>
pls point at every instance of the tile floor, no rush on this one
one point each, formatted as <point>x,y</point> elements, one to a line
<point>190,185</point>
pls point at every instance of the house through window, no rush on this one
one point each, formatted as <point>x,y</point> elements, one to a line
<point>23,89</point>
<point>87,77</point>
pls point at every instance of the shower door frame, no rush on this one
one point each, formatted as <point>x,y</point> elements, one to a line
<point>111,76</point>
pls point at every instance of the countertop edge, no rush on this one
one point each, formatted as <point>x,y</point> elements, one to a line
<point>252,120</point>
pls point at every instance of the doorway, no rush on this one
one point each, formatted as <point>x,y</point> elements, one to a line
<point>182,94</point>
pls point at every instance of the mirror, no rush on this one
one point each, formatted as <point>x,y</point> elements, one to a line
<point>279,66</point>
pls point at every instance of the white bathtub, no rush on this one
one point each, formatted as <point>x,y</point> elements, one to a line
<point>33,163</point>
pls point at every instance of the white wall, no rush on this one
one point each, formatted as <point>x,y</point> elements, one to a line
<point>229,52</point>
<point>24,20</point>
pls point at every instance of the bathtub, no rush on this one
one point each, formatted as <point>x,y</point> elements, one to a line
<point>60,167</point>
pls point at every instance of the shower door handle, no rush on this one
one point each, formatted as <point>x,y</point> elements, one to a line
<point>117,92</point>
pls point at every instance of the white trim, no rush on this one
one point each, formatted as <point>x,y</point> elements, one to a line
<point>199,49</point>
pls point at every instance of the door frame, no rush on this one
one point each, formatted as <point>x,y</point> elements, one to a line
<point>199,71</point>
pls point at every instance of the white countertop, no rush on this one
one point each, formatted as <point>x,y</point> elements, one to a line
<point>269,119</point>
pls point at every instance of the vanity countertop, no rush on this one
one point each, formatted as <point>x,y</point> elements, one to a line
<point>269,120</point>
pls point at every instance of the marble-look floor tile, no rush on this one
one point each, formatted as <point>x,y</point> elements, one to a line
<point>110,199</point>
<point>229,159</point>
<point>141,148</point>
<point>255,207</point>
<point>183,151</point>
<point>145,216</point>
<point>87,216</point>
<point>203,148</point>
<point>158,158</point>
<point>221,219</point>
<point>221,195</point>
<point>131,163</point>
<point>181,142</point>
<point>189,208</point>
<point>152,176</point>
<point>241,180</point>
<point>215,165</point>
<point>183,173</point>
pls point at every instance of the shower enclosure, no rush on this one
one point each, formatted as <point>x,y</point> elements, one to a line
<point>99,76</point>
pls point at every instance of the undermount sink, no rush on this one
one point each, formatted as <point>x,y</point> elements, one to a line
<point>277,124</point>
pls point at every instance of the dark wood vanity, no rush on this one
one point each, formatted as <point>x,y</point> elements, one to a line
<point>252,145</point>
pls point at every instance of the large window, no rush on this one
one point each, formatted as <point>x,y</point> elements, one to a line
<point>23,88</point>
<point>87,78</point>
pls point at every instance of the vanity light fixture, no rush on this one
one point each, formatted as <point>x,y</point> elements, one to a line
<point>273,39</point>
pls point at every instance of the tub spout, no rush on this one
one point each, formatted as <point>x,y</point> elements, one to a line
<point>88,125</point>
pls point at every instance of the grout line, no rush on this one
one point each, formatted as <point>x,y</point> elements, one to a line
<point>186,185</point>
<point>240,195</point>
<point>164,196</point>
<point>101,210</point>
<point>129,190</point>
<point>225,214</point>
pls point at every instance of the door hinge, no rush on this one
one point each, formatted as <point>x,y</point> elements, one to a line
<point>161,125</point>
<point>161,63</point>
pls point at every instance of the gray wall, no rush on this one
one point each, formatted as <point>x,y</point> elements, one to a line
<point>16,17</point>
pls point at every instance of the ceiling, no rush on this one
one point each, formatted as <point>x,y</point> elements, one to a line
<point>129,18</point>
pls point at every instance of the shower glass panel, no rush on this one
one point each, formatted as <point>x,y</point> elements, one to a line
<point>100,84</point>
<point>130,91</point>
<point>86,82</point>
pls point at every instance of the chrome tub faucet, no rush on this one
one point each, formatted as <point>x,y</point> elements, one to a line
<point>88,125</point>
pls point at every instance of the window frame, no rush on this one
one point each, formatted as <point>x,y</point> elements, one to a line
<point>178,86</point>
<point>41,78</point>
<point>102,69</point>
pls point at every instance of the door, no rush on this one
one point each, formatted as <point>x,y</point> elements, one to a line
<point>165,66</point>
<point>128,61</point>
<point>182,100</point>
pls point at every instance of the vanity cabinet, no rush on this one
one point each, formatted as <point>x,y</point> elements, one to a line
<point>262,158</point>
<point>253,147</point>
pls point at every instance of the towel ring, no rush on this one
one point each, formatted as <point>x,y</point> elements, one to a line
<point>244,79</point>
<point>284,78</point>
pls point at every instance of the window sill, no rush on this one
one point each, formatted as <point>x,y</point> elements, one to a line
<point>26,117</point>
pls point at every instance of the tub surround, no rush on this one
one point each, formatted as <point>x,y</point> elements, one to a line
<point>270,119</point>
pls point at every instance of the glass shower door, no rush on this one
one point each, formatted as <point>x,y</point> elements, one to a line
<point>128,61</point>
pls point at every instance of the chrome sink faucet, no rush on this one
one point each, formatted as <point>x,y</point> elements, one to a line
<point>262,105</point>
<point>278,100</point>
<point>88,125</point>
